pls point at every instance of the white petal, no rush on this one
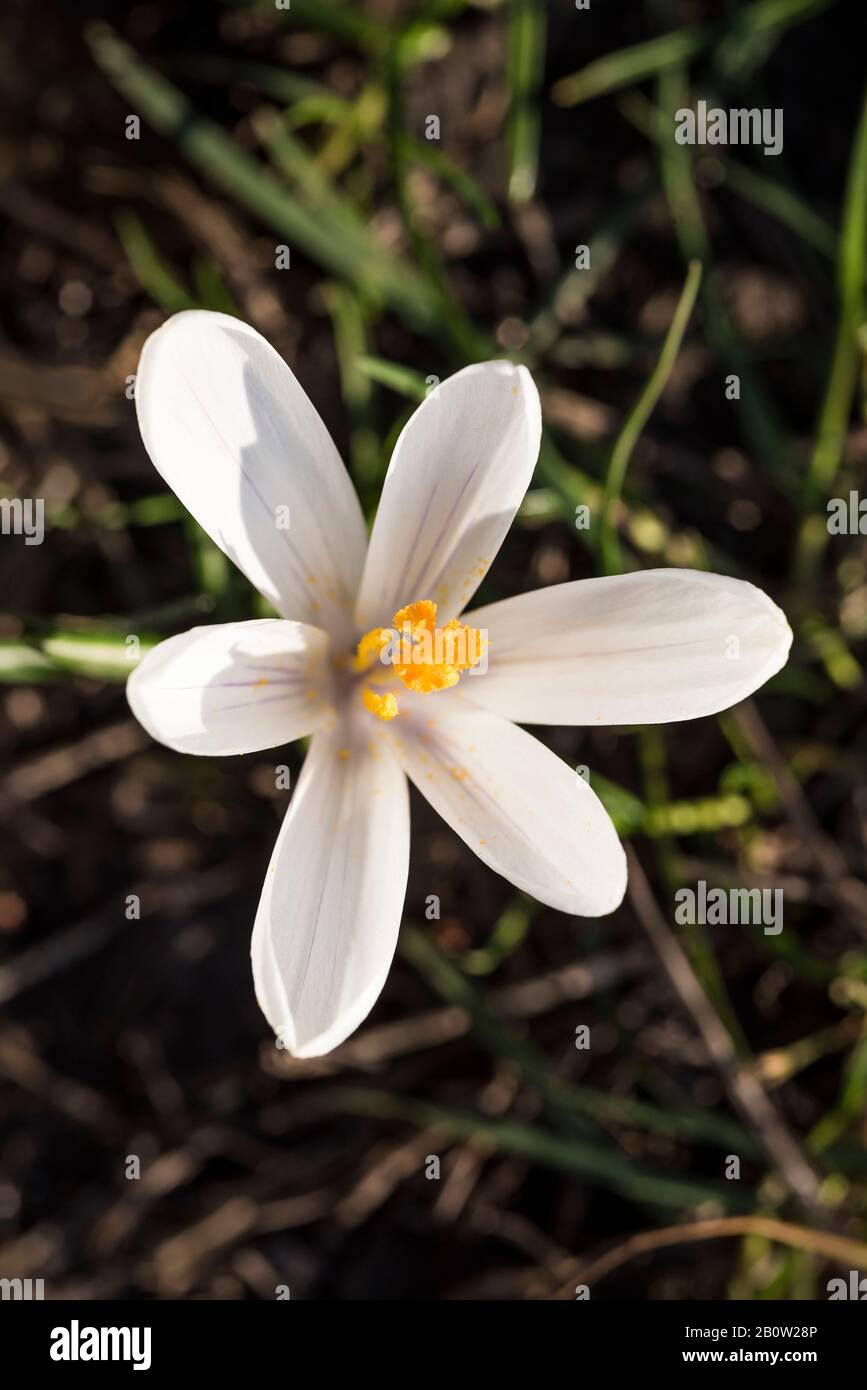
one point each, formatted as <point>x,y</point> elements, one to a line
<point>234,435</point>
<point>522,810</point>
<point>330,911</point>
<point>459,471</point>
<point>233,687</point>
<point>645,648</point>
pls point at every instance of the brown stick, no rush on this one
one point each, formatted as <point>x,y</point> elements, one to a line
<point>742,1085</point>
<point>372,1047</point>
<point>840,1249</point>
<point>848,892</point>
<point>211,223</point>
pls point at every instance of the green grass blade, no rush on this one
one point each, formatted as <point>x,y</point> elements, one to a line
<point>843,375</point>
<point>598,1163</point>
<point>148,266</point>
<point>403,380</point>
<point>345,20</point>
<point>760,419</point>
<point>765,193</point>
<point>641,60</point>
<point>609,549</point>
<point>524,70</point>
<point>99,655</point>
<point>208,147</point>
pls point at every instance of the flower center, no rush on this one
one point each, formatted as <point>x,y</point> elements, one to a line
<point>420,654</point>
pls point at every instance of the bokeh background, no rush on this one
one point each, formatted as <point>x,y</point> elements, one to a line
<point>306,128</point>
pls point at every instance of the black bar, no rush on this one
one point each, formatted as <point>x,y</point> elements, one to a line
<point>267,1339</point>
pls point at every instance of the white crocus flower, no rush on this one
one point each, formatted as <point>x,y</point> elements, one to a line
<point>234,435</point>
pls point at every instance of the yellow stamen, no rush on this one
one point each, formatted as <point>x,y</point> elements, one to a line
<point>369,648</point>
<point>418,616</point>
<point>383,706</point>
<point>427,658</point>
